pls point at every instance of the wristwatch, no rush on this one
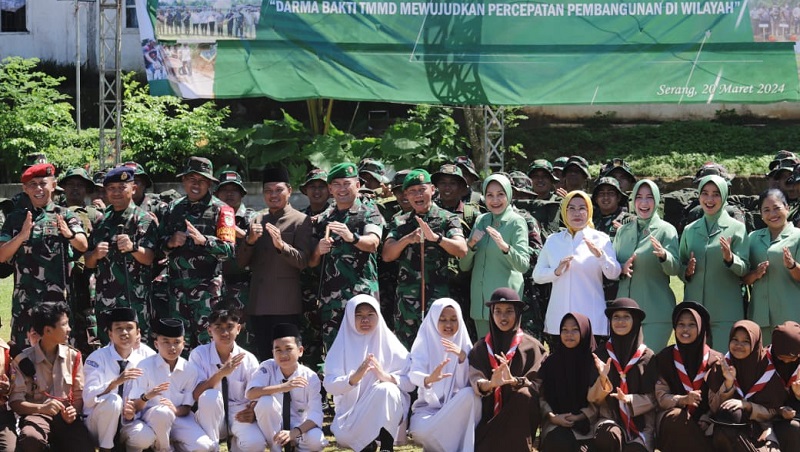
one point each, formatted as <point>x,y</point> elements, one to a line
<point>356,238</point>
<point>144,397</point>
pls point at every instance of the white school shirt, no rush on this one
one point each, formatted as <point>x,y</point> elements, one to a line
<point>206,360</point>
<point>579,289</point>
<point>306,402</point>
<point>182,381</point>
<point>102,366</point>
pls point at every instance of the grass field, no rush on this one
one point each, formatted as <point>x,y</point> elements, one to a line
<point>6,287</point>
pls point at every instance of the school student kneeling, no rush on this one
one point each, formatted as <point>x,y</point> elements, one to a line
<point>159,412</point>
<point>287,394</point>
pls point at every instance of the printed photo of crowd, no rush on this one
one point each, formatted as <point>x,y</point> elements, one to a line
<point>203,20</point>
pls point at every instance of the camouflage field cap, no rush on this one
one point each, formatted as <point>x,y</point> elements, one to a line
<point>398,178</point>
<point>138,171</point>
<point>787,164</point>
<point>416,177</point>
<point>712,169</point>
<point>617,164</point>
<point>795,177</point>
<point>201,166</point>
<point>231,177</point>
<point>34,158</point>
<point>543,164</point>
<point>342,170</point>
<point>466,164</point>
<point>448,169</point>
<point>559,163</point>
<point>520,182</point>
<point>374,168</point>
<point>98,177</point>
<point>780,156</point>
<point>315,174</point>
<point>578,162</point>
<point>79,173</point>
<point>610,181</point>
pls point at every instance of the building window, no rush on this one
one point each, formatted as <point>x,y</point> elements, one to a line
<point>12,16</point>
<point>131,21</point>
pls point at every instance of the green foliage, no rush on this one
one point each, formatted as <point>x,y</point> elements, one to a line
<point>162,132</point>
<point>34,115</point>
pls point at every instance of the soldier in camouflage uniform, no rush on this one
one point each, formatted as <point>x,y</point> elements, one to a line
<point>122,249</point>
<point>40,237</point>
<point>347,236</point>
<point>558,170</point>
<point>197,234</point>
<point>440,232</point>
<point>535,296</point>
<point>390,209</point>
<point>373,175</point>
<point>98,195</point>
<point>621,171</point>
<point>452,188</point>
<point>77,186</point>
<point>575,174</point>
<point>610,214</point>
<point>231,191</point>
<point>470,174</point>
<point>315,187</point>
<point>546,207</point>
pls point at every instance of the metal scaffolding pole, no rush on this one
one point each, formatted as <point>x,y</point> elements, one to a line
<point>494,134</point>
<point>110,49</point>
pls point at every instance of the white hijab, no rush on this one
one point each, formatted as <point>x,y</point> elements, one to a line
<point>351,347</point>
<point>428,352</point>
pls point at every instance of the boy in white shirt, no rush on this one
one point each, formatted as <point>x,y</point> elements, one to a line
<point>224,371</point>
<point>109,374</point>
<point>162,398</point>
<point>283,379</point>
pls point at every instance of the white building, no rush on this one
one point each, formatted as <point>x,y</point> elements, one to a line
<point>46,29</point>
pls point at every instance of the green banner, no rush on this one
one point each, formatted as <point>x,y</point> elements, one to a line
<point>462,52</point>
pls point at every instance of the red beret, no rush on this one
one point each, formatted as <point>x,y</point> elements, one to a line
<point>38,170</point>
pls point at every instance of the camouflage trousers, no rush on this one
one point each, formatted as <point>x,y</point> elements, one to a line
<point>311,332</point>
<point>82,319</point>
<point>192,303</point>
<point>331,312</point>
<point>235,297</point>
<point>408,317</point>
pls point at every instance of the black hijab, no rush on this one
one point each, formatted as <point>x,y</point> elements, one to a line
<point>568,373</point>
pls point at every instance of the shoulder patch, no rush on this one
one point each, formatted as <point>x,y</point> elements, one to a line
<point>263,369</point>
<point>89,362</point>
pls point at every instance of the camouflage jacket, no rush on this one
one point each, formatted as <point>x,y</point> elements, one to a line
<point>153,203</point>
<point>436,270</point>
<point>121,279</point>
<point>193,266</point>
<point>44,261</point>
<point>605,223</point>
<point>347,270</point>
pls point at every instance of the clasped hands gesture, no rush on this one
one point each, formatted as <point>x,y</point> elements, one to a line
<point>179,237</point>
<point>371,364</point>
<point>494,234</point>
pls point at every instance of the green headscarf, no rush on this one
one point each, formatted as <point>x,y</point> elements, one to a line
<point>644,223</point>
<point>722,185</point>
<point>504,182</point>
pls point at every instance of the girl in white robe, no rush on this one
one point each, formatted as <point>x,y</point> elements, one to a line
<point>364,371</point>
<point>444,416</point>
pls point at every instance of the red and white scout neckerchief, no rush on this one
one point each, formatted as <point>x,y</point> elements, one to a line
<point>794,376</point>
<point>759,385</point>
<point>689,384</point>
<point>624,412</point>
<point>498,398</point>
